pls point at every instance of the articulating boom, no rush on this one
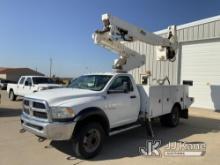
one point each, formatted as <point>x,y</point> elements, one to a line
<point>116,32</point>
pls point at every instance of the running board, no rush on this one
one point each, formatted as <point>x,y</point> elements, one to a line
<point>123,129</point>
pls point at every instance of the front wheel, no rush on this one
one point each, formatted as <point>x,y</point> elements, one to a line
<point>12,96</point>
<point>88,141</point>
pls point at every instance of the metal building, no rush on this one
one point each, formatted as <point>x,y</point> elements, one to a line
<point>198,60</point>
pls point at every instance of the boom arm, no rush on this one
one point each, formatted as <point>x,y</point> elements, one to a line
<point>117,31</point>
<point>122,63</point>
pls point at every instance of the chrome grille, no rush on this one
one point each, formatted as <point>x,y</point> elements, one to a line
<point>37,109</point>
<point>38,105</point>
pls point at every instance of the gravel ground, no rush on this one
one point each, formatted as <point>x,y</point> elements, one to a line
<point>24,149</point>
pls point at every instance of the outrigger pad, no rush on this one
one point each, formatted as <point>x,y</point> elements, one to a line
<point>184,114</point>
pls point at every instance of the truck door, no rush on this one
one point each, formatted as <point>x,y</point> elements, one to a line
<point>20,87</point>
<point>123,104</point>
<point>28,86</point>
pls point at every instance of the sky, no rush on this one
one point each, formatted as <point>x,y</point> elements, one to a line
<point>33,31</point>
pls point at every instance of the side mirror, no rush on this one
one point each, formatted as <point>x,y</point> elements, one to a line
<point>123,90</point>
<point>27,83</point>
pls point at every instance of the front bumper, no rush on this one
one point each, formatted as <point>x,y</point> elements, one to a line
<point>49,130</point>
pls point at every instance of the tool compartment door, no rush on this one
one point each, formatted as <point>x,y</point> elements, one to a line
<point>167,99</point>
<point>156,94</point>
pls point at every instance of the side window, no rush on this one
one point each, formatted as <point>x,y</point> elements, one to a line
<point>21,81</point>
<point>28,82</point>
<point>119,83</point>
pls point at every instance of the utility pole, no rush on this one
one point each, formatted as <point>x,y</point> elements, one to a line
<point>51,66</point>
<point>86,69</point>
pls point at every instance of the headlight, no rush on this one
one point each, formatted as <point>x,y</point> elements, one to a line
<point>62,112</point>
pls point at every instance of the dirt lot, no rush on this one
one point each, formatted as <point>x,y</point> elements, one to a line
<point>22,149</point>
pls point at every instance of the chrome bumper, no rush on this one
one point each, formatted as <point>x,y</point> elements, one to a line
<point>53,130</point>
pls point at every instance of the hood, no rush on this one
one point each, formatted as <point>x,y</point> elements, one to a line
<point>62,94</point>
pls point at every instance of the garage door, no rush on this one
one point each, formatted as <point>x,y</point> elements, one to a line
<point>201,63</point>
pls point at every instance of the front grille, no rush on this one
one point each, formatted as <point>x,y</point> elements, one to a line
<point>40,114</point>
<point>35,108</point>
<point>39,105</point>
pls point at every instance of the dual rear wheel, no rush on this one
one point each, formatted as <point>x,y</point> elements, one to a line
<point>172,119</point>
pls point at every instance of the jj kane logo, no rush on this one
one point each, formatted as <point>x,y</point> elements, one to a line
<point>179,148</point>
<point>151,148</point>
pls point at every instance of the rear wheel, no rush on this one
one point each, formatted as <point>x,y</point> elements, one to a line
<point>12,96</point>
<point>172,119</point>
<point>88,142</point>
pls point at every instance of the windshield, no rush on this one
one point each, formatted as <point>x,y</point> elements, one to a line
<point>91,82</point>
<point>42,80</point>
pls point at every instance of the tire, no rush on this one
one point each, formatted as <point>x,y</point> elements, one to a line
<point>88,141</point>
<point>12,96</point>
<point>172,119</point>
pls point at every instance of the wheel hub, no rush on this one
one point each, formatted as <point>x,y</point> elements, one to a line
<point>91,140</point>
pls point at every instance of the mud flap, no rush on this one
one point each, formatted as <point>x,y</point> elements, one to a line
<point>184,114</point>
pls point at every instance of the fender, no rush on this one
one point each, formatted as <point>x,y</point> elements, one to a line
<point>91,112</point>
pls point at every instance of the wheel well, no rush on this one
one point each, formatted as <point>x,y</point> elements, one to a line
<point>178,105</point>
<point>92,117</point>
<point>10,90</point>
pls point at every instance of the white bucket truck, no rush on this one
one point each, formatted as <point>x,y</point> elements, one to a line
<point>103,104</point>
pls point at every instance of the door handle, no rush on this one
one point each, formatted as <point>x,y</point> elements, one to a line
<point>133,97</point>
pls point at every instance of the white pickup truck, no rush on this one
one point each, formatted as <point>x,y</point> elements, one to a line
<point>97,105</point>
<point>29,84</point>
